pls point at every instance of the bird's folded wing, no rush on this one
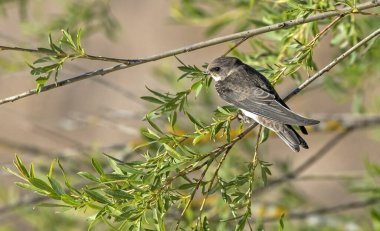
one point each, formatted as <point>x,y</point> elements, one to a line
<point>262,103</point>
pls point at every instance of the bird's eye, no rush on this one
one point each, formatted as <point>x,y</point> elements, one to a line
<point>215,69</point>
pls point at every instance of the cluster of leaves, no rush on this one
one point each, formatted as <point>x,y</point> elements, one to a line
<point>93,15</point>
<point>121,197</point>
<point>177,102</point>
<point>139,194</point>
<point>57,54</point>
<point>274,58</point>
<point>293,42</point>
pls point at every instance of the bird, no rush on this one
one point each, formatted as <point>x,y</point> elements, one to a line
<point>247,89</point>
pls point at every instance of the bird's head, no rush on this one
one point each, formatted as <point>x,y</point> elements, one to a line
<point>221,67</point>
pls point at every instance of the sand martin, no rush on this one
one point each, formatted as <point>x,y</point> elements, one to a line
<point>244,87</point>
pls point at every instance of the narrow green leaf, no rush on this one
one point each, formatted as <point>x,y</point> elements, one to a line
<point>98,167</point>
<point>197,139</point>
<point>264,135</point>
<point>194,120</point>
<point>205,224</point>
<point>52,205</point>
<point>68,39</point>
<point>173,153</point>
<point>281,223</point>
<point>69,200</point>
<point>173,119</point>
<point>31,170</point>
<point>78,41</point>
<point>51,170</point>
<point>38,183</point>
<point>97,196</point>
<point>67,183</point>
<point>89,176</point>
<point>21,167</point>
<point>119,194</point>
<point>56,186</point>
<point>162,96</point>
<point>25,186</point>
<point>153,124</point>
<point>152,99</point>
<point>126,168</point>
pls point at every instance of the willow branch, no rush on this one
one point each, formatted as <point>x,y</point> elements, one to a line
<point>193,47</point>
<point>332,64</point>
<point>240,35</point>
<point>220,150</point>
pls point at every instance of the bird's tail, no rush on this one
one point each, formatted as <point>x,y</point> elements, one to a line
<point>292,138</point>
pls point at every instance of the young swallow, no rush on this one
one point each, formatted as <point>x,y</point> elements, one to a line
<point>244,87</point>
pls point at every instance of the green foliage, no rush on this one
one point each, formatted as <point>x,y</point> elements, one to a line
<point>93,15</point>
<point>57,54</point>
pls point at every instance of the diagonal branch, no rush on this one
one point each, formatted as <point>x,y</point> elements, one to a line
<point>84,56</point>
<point>327,210</point>
<point>332,64</point>
<point>314,158</point>
<point>196,46</point>
<point>244,35</point>
<point>293,174</point>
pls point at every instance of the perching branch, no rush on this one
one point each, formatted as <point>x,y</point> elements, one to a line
<point>332,64</point>
<point>196,46</point>
<point>84,56</point>
<point>215,153</point>
<point>211,42</point>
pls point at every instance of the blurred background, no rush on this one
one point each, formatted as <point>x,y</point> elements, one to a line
<point>104,114</point>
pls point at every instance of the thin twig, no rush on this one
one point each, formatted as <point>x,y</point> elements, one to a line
<point>193,194</point>
<point>324,30</point>
<point>252,169</point>
<point>211,184</point>
<point>313,41</point>
<point>220,149</point>
<point>234,46</point>
<point>332,64</point>
<point>196,46</point>
<point>244,34</point>
<point>328,177</point>
<point>318,155</point>
<point>327,210</point>
<point>309,45</point>
<point>84,56</point>
<point>215,153</point>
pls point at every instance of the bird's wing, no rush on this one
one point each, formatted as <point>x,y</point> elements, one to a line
<point>262,103</point>
<point>265,84</point>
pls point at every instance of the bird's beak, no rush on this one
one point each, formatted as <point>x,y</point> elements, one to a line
<point>206,72</point>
